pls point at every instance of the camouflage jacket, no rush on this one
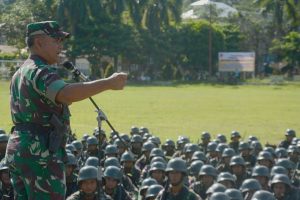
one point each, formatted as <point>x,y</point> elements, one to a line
<point>33,90</point>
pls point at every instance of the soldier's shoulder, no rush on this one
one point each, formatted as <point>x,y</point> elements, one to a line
<point>192,195</point>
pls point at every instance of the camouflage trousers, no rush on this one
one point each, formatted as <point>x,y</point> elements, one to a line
<point>36,174</point>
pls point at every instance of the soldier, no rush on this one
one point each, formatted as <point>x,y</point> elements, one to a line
<point>205,138</point>
<point>181,141</point>
<point>216,187</point>
<point>134,130</point>
<point>289,135</point>
<point>112,187</point>
<point>136,145</point>
<point>212,154</point>
<point>87,181</point>
<point>144,187</point>
<point>92,149</point>
<point>262,174</point>
<point>3,143</point>
<point>227,179</point>
<point>244,149</point>
<point>238,168</point>
<point>71,176</point>
<point>39,109</point>
<point>176,171</point>
<point>6,189</point>
<point>169,148</point>
<point>249,187</point>
<point>265,158</point>
<point>101,137</point>
<point>282,189</point>
<point>157,171</point>
<point>235,141</point>
<point>127,162</point>
<point>194,170</point>
<point>224,165</point>
<point>153,191</point>
<point>207,176</point>
<point>189,150</point>
<point>145,158</point>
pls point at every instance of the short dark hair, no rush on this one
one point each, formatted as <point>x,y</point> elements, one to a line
<point>29,41</point>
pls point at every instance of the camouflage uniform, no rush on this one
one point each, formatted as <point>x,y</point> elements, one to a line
<point>81,196</point>
<point>36,173</point>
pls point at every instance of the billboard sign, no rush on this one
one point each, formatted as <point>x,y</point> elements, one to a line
<point>236,61</point>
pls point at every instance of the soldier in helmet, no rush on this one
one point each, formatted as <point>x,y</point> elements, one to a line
<point>244,149</point>
<point>226,179</point>
<point>71,176</point>
<point>134,130</point>
<point>249,187</point>
<point>282,188</point>
<point>144,187</point>
<point>127,162</point>
<point>189,150</point>
<point>136,142</point>
<point>212,154</point>
<point>207,176</point>
<point>110,151</point>
<point>238,168</point>
<point>180,143</point>
<point>157,171</point>
<point>112,187</point>
<point>87,182</point>
<point>92,149</point>
<point>153,191</point>
<point>235,141</point>
<point>6,189</point>
<point>176,171</point>
<point>235,194</point>
<point>3,143</point>
<point>224,165</point>
<point>145,158</point>
<point>205,139</point>
<point>262,174</point>
<point>169,148</point>
<point>265,158</point>
<point>289,135</point>
<point>194,170</point>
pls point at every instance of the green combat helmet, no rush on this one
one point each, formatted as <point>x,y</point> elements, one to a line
<point>281,178</point>
<point>234,194</point>
<point>216,187</point>
<point>92,161</point>
<point>148,146</point>
<point>199,155</point>
<point>226,176</point>
<point>290,132</point>
<point>91,140</point>
<point>250,184</point>
<point>87,173</point>
<point>260,170</point>
<point>195,167</point>
<point>153,191</point>
<point>4,137</point>
<point>136,139</point>
<point>134,130</point>
<point>170,143</point>
<point>2,131</point>
<point>146,184</point>
<point>111,149</point>
<point>263,195</point>
<point>205,135</point>
<point>222,138</point>
<point>71,160</point>
<point>113,172</point>
<point>157,166</point>
<point>228,152</point>
<point>178,165</point>
<point>208,170</point>
<point>127,156</point>
<point>237,160</point>
<point>278,170</point>
<point>219,196</point>
<point>235,134</point>
<point>156,152</point>
<point>112,161</point>
<point>78,145</point>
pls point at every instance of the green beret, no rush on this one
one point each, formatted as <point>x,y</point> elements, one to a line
<point>50,28</point>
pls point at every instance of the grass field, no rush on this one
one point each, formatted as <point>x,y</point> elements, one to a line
<point>170,111</point>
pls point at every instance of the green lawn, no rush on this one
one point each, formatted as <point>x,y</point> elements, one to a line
<point>264,111</point>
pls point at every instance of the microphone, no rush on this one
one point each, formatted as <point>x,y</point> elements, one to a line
<point>70,67</point>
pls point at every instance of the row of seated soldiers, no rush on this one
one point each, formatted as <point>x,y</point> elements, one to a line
<point>140,167</point>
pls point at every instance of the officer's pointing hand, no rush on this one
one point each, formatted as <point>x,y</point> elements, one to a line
<point>118,80</point>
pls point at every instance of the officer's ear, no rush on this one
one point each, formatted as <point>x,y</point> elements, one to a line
<point>39,42</point>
